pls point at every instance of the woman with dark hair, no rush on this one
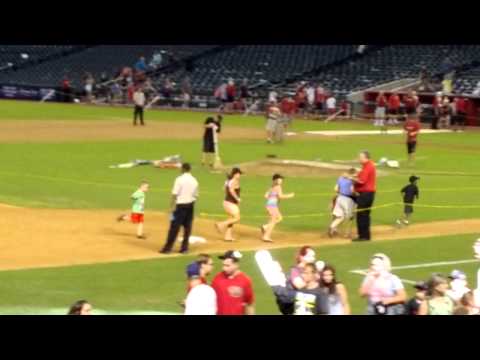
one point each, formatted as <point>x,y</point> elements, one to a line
<point>81,307</point>
<point>437,301</point>
<point>336,292</point>
<point>231,204</point>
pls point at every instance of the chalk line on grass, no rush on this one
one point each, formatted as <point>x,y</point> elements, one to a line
<point>369,132</point>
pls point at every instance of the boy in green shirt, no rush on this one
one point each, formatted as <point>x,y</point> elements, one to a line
<point>138,209</point>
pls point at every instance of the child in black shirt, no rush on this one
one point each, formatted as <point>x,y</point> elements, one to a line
<point>410,193</point>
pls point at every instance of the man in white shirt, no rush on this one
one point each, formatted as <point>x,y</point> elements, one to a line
<point>331,105</point>
<point>201,299</point>
<point>139,101</point>
<point>184,195</point>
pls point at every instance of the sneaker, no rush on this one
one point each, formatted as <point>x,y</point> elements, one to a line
<point>406,222</point>
<point>399,222</point>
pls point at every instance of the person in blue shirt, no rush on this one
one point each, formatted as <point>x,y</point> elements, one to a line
<point>141,65</point>
<point>343,208</point>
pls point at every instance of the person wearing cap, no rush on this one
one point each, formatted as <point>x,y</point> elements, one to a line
<point>231,204</point>
<point>412,128</point>
<point>413,305</point>
<point>184,195</point>
<point>201,299</point>
<point>410,192</point>
<point>205,263</point>
<point>234,289</point>
<point>365,186</point>
<point>458,285</point>
<point>385,292</point>
<point>273,196</point>
<point>343,204</point>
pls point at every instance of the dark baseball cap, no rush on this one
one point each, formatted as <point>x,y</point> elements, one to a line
<point>193,270</point>
<point>231,254</point>
<point>277,176</point>
<point>421,285</point>
<point>413,178</point>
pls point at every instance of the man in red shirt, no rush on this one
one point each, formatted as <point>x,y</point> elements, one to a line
<point>393,108</point>
<point>233,288</point>
<point>412,127</point>
<point>288,108</point>
<point>365,187</point>
<point>461,113</point>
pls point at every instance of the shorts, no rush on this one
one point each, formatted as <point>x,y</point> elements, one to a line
<point>208,145</point>
<point>380,113</point>
<point>136,218</point>
<point>271,125</point>
<point>273,211</point>
<point>344,207</point>
<point>408,209</point>
<point>411,147</point>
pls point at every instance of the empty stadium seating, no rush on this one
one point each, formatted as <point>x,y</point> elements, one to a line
<point>95,60</point>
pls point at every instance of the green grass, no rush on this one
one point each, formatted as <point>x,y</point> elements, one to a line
<point>76,175</point>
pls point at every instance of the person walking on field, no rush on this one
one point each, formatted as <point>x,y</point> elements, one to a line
<point>380,110</point>
<point>139,101</point>
<point>211,126</point>
<point>412,128</point>
<point>344,204</point>
<point>365,186</point>
<point>231,204</point>
<point>234,289</point>
<point>138,209</point>
<point>393,108</point>
<point>410,193</point>
<point>184,195</point>
<point>273,196</point>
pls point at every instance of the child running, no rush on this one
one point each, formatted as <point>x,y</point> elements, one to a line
<point>344,204</point>
<point>138,209</point>
<point>231,204</point>
<point>273,196</point>
<point>410,193</point>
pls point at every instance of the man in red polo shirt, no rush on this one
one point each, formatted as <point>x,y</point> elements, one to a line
<point>393,108</point>
<point>365,186</point>
<point>412,127</point>
<point>233,288</point>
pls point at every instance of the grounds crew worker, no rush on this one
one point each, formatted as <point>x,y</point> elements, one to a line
<point>184,195</point>
<point>365,186</point>
<point>139,101</point>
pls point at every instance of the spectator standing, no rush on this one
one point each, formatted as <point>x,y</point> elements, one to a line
<point>458,285</point>
<point>393,108</point>
<point>310,98</point>
<point>413,305</point>
<point>460,113</point>
<point>167,90</point>
<point>66,90</point>
<point>336,292</point>
<point>445,113</point>
<point>301,98</point>
<point>186,91</point>
<point>384,291</point>
<point>184,195</point>
<point>234,289</point>
<point>344,204</point>
<point>310,300</point>
<point>140,65</point>
<point>205,267</point>
<point>436,105</point>
<point>467,305</point>
<point>139,105</point>
<point>231,91</point>
<point>365,186</point>
<point>273,120</point>
<point>81,307</point>
<point>331,105</point>
<point>380,110</point>
<point>437,301</point>
<point>320,98</point>
<point>89,83</point>
<point>201,298</point>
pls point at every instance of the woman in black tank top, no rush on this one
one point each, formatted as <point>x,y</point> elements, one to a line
<point>231,204</point>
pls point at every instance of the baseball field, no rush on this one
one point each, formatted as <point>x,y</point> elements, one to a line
<point>59,199</point>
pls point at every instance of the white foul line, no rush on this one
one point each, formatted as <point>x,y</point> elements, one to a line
<point>416,266</point>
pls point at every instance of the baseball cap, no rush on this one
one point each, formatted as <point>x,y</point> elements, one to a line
<point>413,178</point>
<point>231,254</point>
<point>277,176</point>
<point>421,285</point>
<point>457,275</point>
<point>193,270</point>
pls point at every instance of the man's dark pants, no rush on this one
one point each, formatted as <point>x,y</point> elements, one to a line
<point>138,112</point>
<point>182,216</point>
<point>364,201</point>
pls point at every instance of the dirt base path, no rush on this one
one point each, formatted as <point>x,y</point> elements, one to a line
<point>121,129</point>
<point>33,238</point>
